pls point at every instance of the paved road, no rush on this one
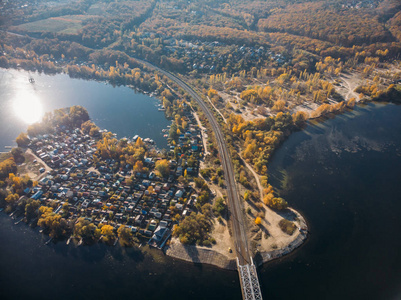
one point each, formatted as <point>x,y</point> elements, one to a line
<point>234,201</point>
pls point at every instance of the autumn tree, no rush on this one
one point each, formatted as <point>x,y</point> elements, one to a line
<point>52,222</point>
<point>108,234</point>
<point>22,140</point>
<point>138,167</point>
<point>90,128</point>
<point>125,236</point>
<point>32,209</point>
<point>86,230</point>
<point>194,229</point>
<point>18,154</point>
<point>275,202</point>
<point>12,199</point>
<point>6,167</point>
<point>300,118</point>
<point>162,166</point>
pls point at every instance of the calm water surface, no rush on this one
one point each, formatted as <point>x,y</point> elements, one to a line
<point>31,270</point>
<point>117,109</point>
<point>345,177</point>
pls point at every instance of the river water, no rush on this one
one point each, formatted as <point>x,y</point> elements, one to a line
<point>342,175</point>
<point>118,109</point>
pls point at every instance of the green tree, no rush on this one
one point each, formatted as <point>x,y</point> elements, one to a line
<point>219,206</point>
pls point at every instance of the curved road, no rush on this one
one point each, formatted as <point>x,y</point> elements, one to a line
<point>234,201</point>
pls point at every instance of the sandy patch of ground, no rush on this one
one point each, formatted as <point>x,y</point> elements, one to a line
<point>305,107</point>
<point>349,82</point>
<point>31,168</point>
<point>272,236</point>
<point>204,135</point>
<point>248,113</point>
<point>223,239</point>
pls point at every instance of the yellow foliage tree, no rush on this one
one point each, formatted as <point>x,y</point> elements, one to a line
<point>108,233</point>
<point>162,166</point>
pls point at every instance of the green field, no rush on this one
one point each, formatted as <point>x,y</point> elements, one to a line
<point>64,24</point>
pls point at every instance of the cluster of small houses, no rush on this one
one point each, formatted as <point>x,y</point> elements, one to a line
<point>105,193</point>
<point>203,57</point>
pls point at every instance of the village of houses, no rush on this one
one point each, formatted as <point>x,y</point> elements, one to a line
<point>101,194</point>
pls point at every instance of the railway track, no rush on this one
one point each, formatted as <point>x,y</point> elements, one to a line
<point>234,201</point>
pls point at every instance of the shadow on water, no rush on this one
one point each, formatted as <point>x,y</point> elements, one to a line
<point>97,252</point>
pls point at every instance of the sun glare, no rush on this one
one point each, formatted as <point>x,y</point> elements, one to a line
<point>28,107</point>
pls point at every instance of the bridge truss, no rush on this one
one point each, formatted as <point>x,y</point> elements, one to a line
<point>249,281</point>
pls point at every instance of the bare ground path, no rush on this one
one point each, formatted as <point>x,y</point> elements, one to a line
<point>351,83</point>
<point>47,168</point>
<point>211,103</point>
<point>254,175</point>
<point>203,132</point>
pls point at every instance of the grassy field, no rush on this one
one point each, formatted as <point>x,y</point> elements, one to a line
<point>64,24</point>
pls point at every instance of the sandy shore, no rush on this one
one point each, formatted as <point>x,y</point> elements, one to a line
<point>290,245</point>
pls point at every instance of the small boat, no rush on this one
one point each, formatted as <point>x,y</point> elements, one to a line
<point>16,223</point>
<point>31,80</point>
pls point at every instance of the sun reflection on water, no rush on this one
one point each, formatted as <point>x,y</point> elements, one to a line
<point>27,107</point>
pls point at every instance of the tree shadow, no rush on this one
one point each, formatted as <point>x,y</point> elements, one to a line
<point>287,214</point>
<point>264,229</point>
<point>251,203</point>
<point>97,252</point>
<point>193,253</point>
